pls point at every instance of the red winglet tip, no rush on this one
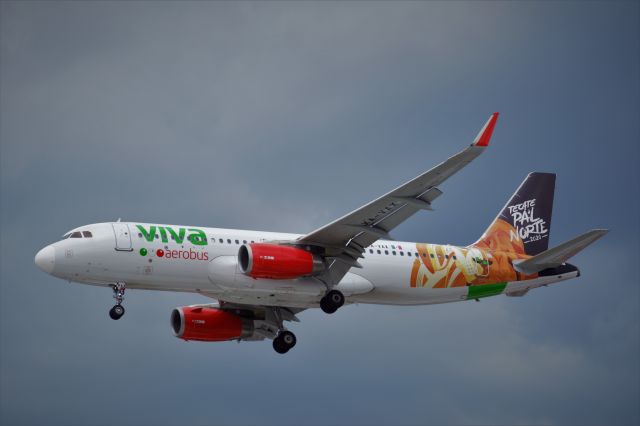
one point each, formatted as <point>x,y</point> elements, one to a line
<point>485,133</point>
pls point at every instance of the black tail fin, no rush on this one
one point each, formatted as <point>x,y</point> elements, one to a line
<point>524,224</point>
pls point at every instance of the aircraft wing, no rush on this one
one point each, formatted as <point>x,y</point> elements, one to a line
<point>558,255</point>
<point>345,239</point>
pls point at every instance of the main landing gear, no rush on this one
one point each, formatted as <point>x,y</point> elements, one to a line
<point>284,341</point>
<point>332,301</point>
<point>118,293</point>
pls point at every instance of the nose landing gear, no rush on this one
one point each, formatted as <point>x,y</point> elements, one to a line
<point>332,301</point>
<point>118,293</point>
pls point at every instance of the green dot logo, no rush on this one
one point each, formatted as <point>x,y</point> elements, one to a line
<point>143,251</point>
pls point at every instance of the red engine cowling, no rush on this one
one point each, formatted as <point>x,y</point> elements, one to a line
<point>261,260</point>
<point>209,324</point>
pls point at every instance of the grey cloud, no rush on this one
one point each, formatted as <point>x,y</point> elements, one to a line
<point>283,116</point>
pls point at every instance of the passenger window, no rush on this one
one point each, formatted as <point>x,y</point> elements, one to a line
<point>417,255</point>
<point>424,254</point>
<point>244,241</point>
<point>228,240</point>
<point>371,251</point>
<point>393,252</point>
<point>87,234</point>
<point>401,254</point>
<point>139,234</point>
<point>213,240</point>
<point>237,242</point>
<point>252,241</point>
<point>386,252</point>
<point>221,240</point>
<point>76,234</point>
<point>378,251</point>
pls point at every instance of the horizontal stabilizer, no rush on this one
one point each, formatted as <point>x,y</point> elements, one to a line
<point>558,255</point>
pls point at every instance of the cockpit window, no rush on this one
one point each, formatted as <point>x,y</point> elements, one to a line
<point>87,234</point>
<point>65,236</point>
<point>76,234</point>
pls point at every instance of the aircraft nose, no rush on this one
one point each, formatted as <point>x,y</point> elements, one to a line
<point>46,259</point>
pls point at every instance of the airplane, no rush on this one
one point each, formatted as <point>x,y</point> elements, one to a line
<point>260,280</point>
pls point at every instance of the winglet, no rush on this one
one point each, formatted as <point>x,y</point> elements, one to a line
<point>485,134</point>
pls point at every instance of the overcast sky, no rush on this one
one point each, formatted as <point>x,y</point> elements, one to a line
<point>284,116</point>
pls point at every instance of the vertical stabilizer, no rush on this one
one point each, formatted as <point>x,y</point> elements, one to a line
<point>524,224</point>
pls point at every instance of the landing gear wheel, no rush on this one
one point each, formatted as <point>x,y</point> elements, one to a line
<point>332,301</point>
<point>278,346</point>
<point>116,312</point>
<point>326,306</point>
<point>284,342</point>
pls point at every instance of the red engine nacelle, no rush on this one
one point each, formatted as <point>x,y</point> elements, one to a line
<point>209,324</point>
<point>261,260</point>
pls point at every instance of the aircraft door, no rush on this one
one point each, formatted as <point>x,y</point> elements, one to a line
<point>123,236</point>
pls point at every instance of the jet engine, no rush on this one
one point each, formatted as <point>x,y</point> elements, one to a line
<point>209,324</point>
<point>273,261</point>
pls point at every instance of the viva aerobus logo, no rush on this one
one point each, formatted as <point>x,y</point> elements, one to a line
<point>196,236</point>
<point>527,227</point>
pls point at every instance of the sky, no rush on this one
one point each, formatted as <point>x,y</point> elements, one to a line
<point>283,116</point>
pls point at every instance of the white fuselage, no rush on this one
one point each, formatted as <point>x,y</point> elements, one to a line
<point>164,257</point>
